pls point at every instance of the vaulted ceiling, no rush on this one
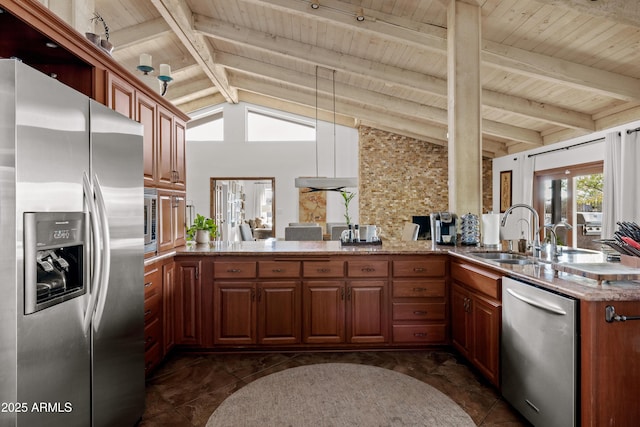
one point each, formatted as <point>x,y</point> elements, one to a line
<point>551,69</point>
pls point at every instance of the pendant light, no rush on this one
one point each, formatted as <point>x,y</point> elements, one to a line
<point>324,183</point>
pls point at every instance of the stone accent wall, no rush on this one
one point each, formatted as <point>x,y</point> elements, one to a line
<point>401,177</point>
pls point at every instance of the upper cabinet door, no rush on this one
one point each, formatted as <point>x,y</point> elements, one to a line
<point>147,115</point>
<point>179,162</point>
<point>120,96</point>
<point>166,173</point>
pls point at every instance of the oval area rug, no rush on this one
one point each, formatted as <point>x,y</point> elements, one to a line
<point>338,394</point>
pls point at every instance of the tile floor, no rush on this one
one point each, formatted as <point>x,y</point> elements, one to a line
<point>188,387</point>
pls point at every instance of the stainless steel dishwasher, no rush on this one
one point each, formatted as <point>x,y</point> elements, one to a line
<point>539,351</point>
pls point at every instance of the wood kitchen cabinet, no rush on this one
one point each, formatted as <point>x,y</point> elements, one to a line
<point>351,309</point>
<point>147,115</point>
<point>153,317</point>
<point>169,304</point>
<point>170,150</point>
<point>187,299</point>
<point>419,300</point>
<point>171,218</point>
<point>256,303</point>
<point>476,315</point>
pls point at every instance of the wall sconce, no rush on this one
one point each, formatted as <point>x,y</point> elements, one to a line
<point>165,71</point>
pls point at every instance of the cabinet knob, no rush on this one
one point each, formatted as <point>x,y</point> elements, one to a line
<point>419,289</point>
<point>277,270</point>
<point>368,269</point>
<point>146,285</point>
<point>420,313</point>
<point>420,334</point>
<point>324,270</point>
<point>418,269</point>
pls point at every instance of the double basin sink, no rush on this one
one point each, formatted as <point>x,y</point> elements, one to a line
<point>505,257</point>
<point>520,259</point>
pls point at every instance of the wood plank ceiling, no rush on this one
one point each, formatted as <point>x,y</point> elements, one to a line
<point>551,69</point>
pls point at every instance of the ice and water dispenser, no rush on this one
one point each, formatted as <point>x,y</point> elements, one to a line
<point>55,258</point>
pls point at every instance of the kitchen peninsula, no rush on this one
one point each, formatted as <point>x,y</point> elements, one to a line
<point>304,296</point>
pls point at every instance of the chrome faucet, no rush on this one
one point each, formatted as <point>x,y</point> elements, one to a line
<point>554,227</point>
<point>536,226</point>
<point>553,243</point>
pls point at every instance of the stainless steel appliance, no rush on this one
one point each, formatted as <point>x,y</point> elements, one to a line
<point>444,228</point>
<point>539,353</point>
<point>150,220</point>
<point>71,260</point>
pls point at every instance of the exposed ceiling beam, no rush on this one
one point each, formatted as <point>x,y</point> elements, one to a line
<point>411,80</point>
<point>434,38</point>
<point>136,34</point>
<point>178,15</point>
<point>621,11</point>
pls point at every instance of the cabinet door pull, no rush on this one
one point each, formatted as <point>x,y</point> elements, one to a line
<point>342,293</point>
<point>420,313</point>
<point>368,270</point>
<point>419,289</point>
<point>148,340</point>
<point>146,313</point>
<point>349,293</point>
<point>324,270</point>
<point>420,334</point>
<point>253,294</point>
<point>146,285</point>
<point>233,270</point>
<point>197,273</point>
<point>418,269</point>
<point>277,270</point>
<point>610,315</point>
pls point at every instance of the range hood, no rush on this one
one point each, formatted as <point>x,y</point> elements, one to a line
<point>325,184</point>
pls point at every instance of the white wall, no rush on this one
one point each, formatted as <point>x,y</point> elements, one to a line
<point>583,154</point>
<point>285,161</point>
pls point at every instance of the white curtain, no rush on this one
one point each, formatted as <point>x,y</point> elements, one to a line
<point>621,201</point>
<point>260,198</point>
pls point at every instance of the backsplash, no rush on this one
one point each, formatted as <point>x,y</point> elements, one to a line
<point>401,177</point>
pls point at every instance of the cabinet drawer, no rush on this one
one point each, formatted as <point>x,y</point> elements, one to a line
<point>418,311</point>
<point>234,270</point>
<point>152,333</point>
<point>418,288</point>
<point>362,268</point>
<point>419,268</point>
<point>323,268</point>
<point>476,278</point>
<point>152,281</point>
<point>269,269</point>
<point>152,308</point>
<point>152,358</point>
<point>426,334</point>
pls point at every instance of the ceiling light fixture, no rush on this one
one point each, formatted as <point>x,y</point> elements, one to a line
<point>315,5</point>
<point>146,68</point>
<point>360,16</point>
<point>324,183</point>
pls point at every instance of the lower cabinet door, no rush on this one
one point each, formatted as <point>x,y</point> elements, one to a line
<point>279,313</point>
<point>367,311</point>
<point>324,312</point>
<point>235,312</point>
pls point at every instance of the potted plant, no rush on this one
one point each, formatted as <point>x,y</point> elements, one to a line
<point>347,196</point>
<point>202,230</point>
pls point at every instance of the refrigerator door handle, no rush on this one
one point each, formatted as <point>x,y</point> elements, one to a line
<point>95,252</point>
<point>106,253</point>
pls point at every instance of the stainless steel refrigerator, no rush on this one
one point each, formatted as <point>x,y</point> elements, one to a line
<point>71,257</point>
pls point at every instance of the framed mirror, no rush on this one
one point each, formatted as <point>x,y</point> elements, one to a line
<point>237,200</point>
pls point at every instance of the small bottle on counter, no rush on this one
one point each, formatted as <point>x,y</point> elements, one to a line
<point>522,244</point>
<point>356,233</point>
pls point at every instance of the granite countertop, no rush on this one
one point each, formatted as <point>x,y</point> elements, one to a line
<point>542,273</point>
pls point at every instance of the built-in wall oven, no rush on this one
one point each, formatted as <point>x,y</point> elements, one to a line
<point>150,219</point>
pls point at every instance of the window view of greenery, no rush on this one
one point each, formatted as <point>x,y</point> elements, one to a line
<point>589,192</point>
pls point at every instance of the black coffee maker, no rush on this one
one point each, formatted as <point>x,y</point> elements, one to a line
<point>444,228</point>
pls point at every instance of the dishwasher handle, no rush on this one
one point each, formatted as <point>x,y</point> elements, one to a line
<point>538,304</point>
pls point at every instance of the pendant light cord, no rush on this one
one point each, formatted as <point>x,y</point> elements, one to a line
<point>316,121</point>
<point>333,80</point>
